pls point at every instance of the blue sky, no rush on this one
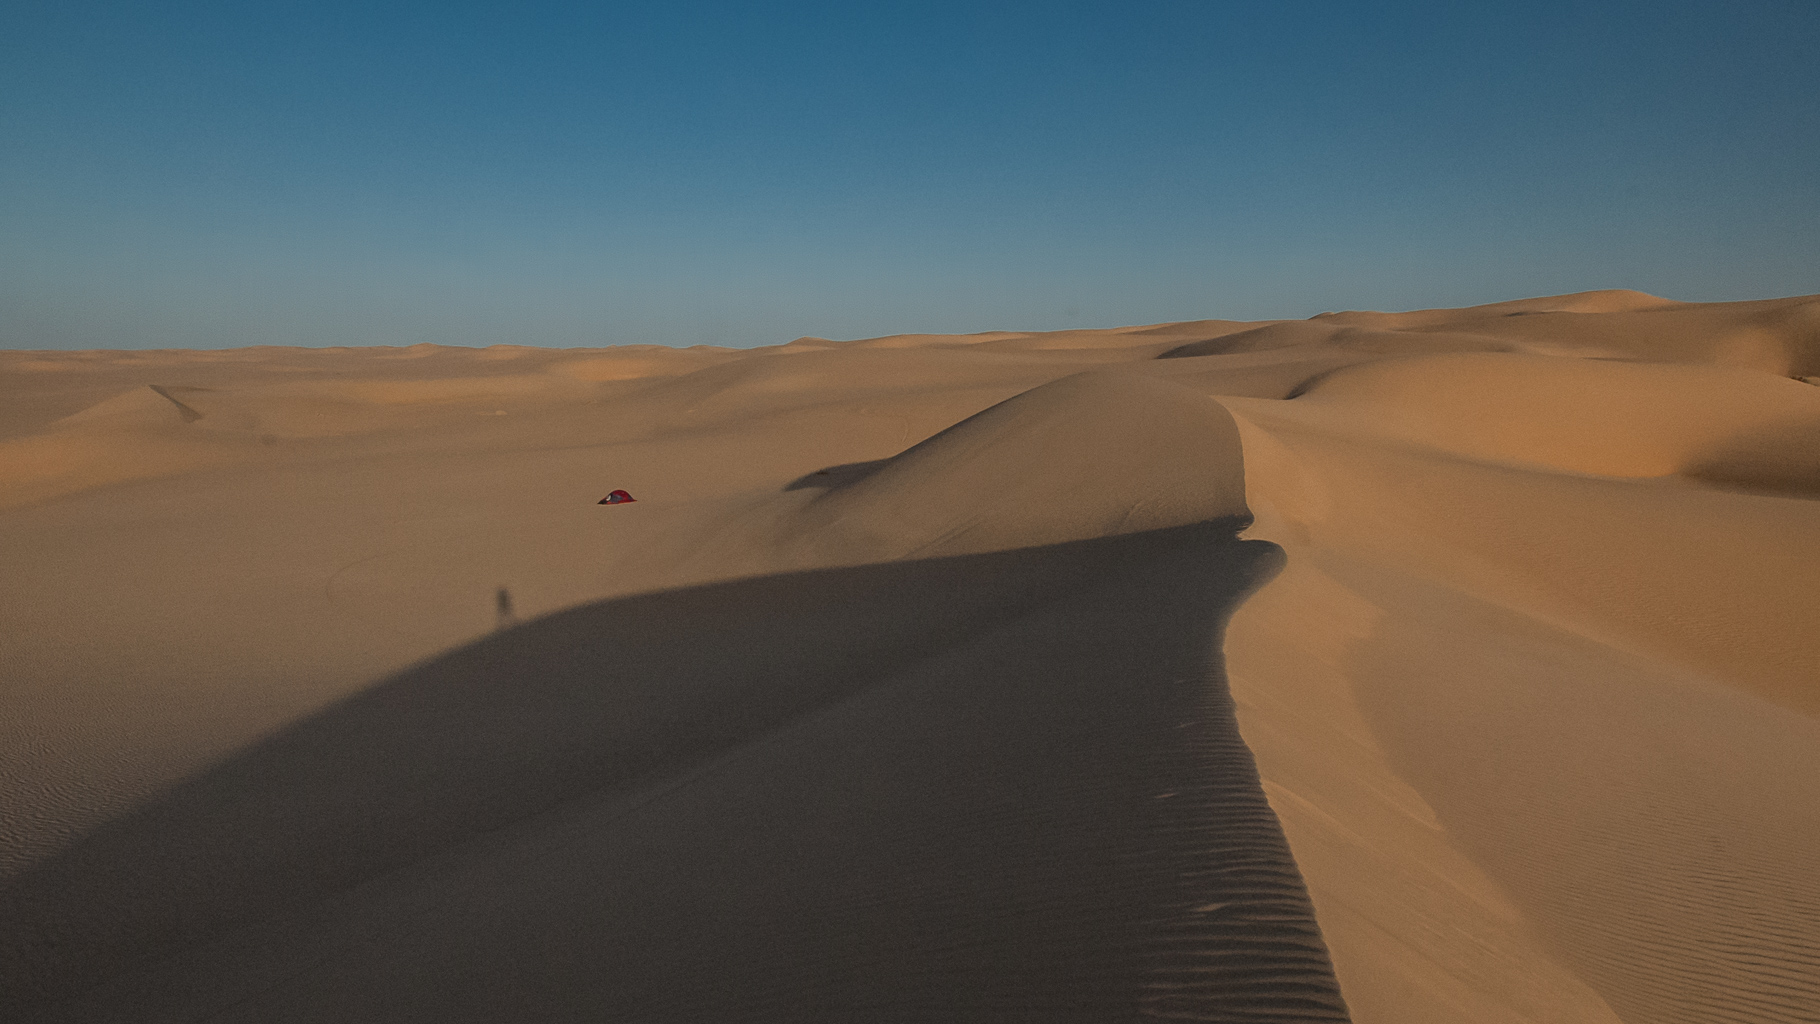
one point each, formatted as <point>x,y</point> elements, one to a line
<point>215,174</point>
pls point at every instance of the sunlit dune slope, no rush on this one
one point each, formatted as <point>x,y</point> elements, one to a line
<point>926,678</point>
<point>1123,452</point>
<point>1596,417</point>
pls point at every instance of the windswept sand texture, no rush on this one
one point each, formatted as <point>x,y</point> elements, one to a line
<point>1456,665</point>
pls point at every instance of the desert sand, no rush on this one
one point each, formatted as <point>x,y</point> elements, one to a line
<point>1452,665</point>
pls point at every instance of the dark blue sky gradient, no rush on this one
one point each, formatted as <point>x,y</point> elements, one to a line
<point>221,174</point>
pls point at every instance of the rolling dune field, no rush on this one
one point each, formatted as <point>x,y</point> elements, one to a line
<point>1452,665</point>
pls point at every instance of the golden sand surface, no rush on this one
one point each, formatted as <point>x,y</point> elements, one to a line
<point>1453,665</point>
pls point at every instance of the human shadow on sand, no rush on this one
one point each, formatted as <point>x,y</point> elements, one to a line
<point>995,787</point>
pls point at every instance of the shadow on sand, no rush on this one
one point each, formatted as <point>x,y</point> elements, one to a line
<point>835,476</point>
<point>994,787</point>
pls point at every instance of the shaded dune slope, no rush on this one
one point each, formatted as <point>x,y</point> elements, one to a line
<point>1003,787</point>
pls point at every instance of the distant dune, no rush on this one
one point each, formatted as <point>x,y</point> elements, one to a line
<point>1453,665</point>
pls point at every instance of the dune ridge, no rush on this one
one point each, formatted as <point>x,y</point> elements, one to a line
<point>926,680</point>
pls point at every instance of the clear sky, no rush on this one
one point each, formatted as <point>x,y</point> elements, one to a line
<point>181,174</point>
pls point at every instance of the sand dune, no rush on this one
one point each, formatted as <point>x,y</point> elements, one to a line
<point>1122,453</point>
<point>1618,419</point>
<point>927,679</point>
